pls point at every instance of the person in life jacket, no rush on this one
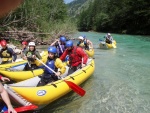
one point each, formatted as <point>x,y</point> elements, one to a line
<point>7,54</point>
<point>31,55</point>
<point>85,43</point>
<point>108,38</point>
<point>77,57</point>
<point>24,48</point>
<point>54,63</point>
<point>60,45</point>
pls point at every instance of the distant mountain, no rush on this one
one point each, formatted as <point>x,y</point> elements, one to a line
<point>77,6</point>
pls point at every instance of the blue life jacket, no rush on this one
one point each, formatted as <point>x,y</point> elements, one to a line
<point>50,63</point>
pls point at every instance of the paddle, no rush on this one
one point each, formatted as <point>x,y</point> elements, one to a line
<point>60,46</point>
<point>24,108</point>
<point>72,85</point>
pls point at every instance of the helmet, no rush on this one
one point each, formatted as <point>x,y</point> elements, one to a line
<point>63,39</point>
<point>84,36</point>
<point>24,43</point>
<point>108,34</point>
<point>3,43</point>
<point>31,43</point>
<point>81,38</point>
<point>52,49</point>
<point>69,43</point>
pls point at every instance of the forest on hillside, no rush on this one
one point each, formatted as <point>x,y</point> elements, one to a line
<point>123,16</point>
<point>40,16</point>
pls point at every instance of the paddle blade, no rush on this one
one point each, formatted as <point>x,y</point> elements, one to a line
<point>76,88</point>
<point>24,108</point>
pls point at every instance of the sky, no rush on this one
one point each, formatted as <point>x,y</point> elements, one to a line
<point>68,1</point>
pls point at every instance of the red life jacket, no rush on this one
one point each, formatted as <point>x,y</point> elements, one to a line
<point>74,58</point>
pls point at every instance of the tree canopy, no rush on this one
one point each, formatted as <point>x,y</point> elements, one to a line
<point>39,16</point>
<point>123,16</point>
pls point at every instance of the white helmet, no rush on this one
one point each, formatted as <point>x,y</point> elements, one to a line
<point>31,44</point>
<point>81,38</point>
<point>108,34</point>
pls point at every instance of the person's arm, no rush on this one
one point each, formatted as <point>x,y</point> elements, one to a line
<point>63,56</point>
<point>90,43</point>
<point>13,54</point>
<point>4,78</point>
<point>84,56</point>
<point>6,99</point>
<point>37,55</point>
<point>59,64</point>
<point>111,38</point>
<point>53,44</point>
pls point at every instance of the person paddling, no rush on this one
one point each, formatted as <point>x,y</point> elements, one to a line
<point>77,57</point>
<point>31,55</point>
<point>108,38</point>
<point>60,45</point>
<point>7,54</point>
<point>54,63</point>
<point>85,43</point>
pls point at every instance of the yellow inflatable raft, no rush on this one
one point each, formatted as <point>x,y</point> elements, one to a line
<point>90,52</point>
<point>21,75</point>
<point>44,55</point>
<point>15,73</point>
<point>44,95</point>
<point>104,45</point>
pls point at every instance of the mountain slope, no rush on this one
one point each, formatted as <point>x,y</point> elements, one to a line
<point>77,6</point>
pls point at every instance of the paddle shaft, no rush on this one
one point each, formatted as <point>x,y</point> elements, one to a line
<point>46,65</point>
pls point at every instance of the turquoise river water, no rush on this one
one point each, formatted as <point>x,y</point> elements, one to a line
<point>120,83</point>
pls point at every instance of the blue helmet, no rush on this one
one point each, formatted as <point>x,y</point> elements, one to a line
<point>69,43</point>
<point>63,39</point>
<point>52,49</point>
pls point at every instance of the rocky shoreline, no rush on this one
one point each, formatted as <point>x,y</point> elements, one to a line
<point>15,35</point>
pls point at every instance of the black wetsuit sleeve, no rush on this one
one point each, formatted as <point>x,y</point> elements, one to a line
<point>13,54</point>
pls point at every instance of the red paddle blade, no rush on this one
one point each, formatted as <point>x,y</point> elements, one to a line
<point>25,108</point>
<point>76,88</point>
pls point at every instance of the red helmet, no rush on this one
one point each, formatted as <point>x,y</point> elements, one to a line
<point>3,43</point>
<point>24,43</point>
